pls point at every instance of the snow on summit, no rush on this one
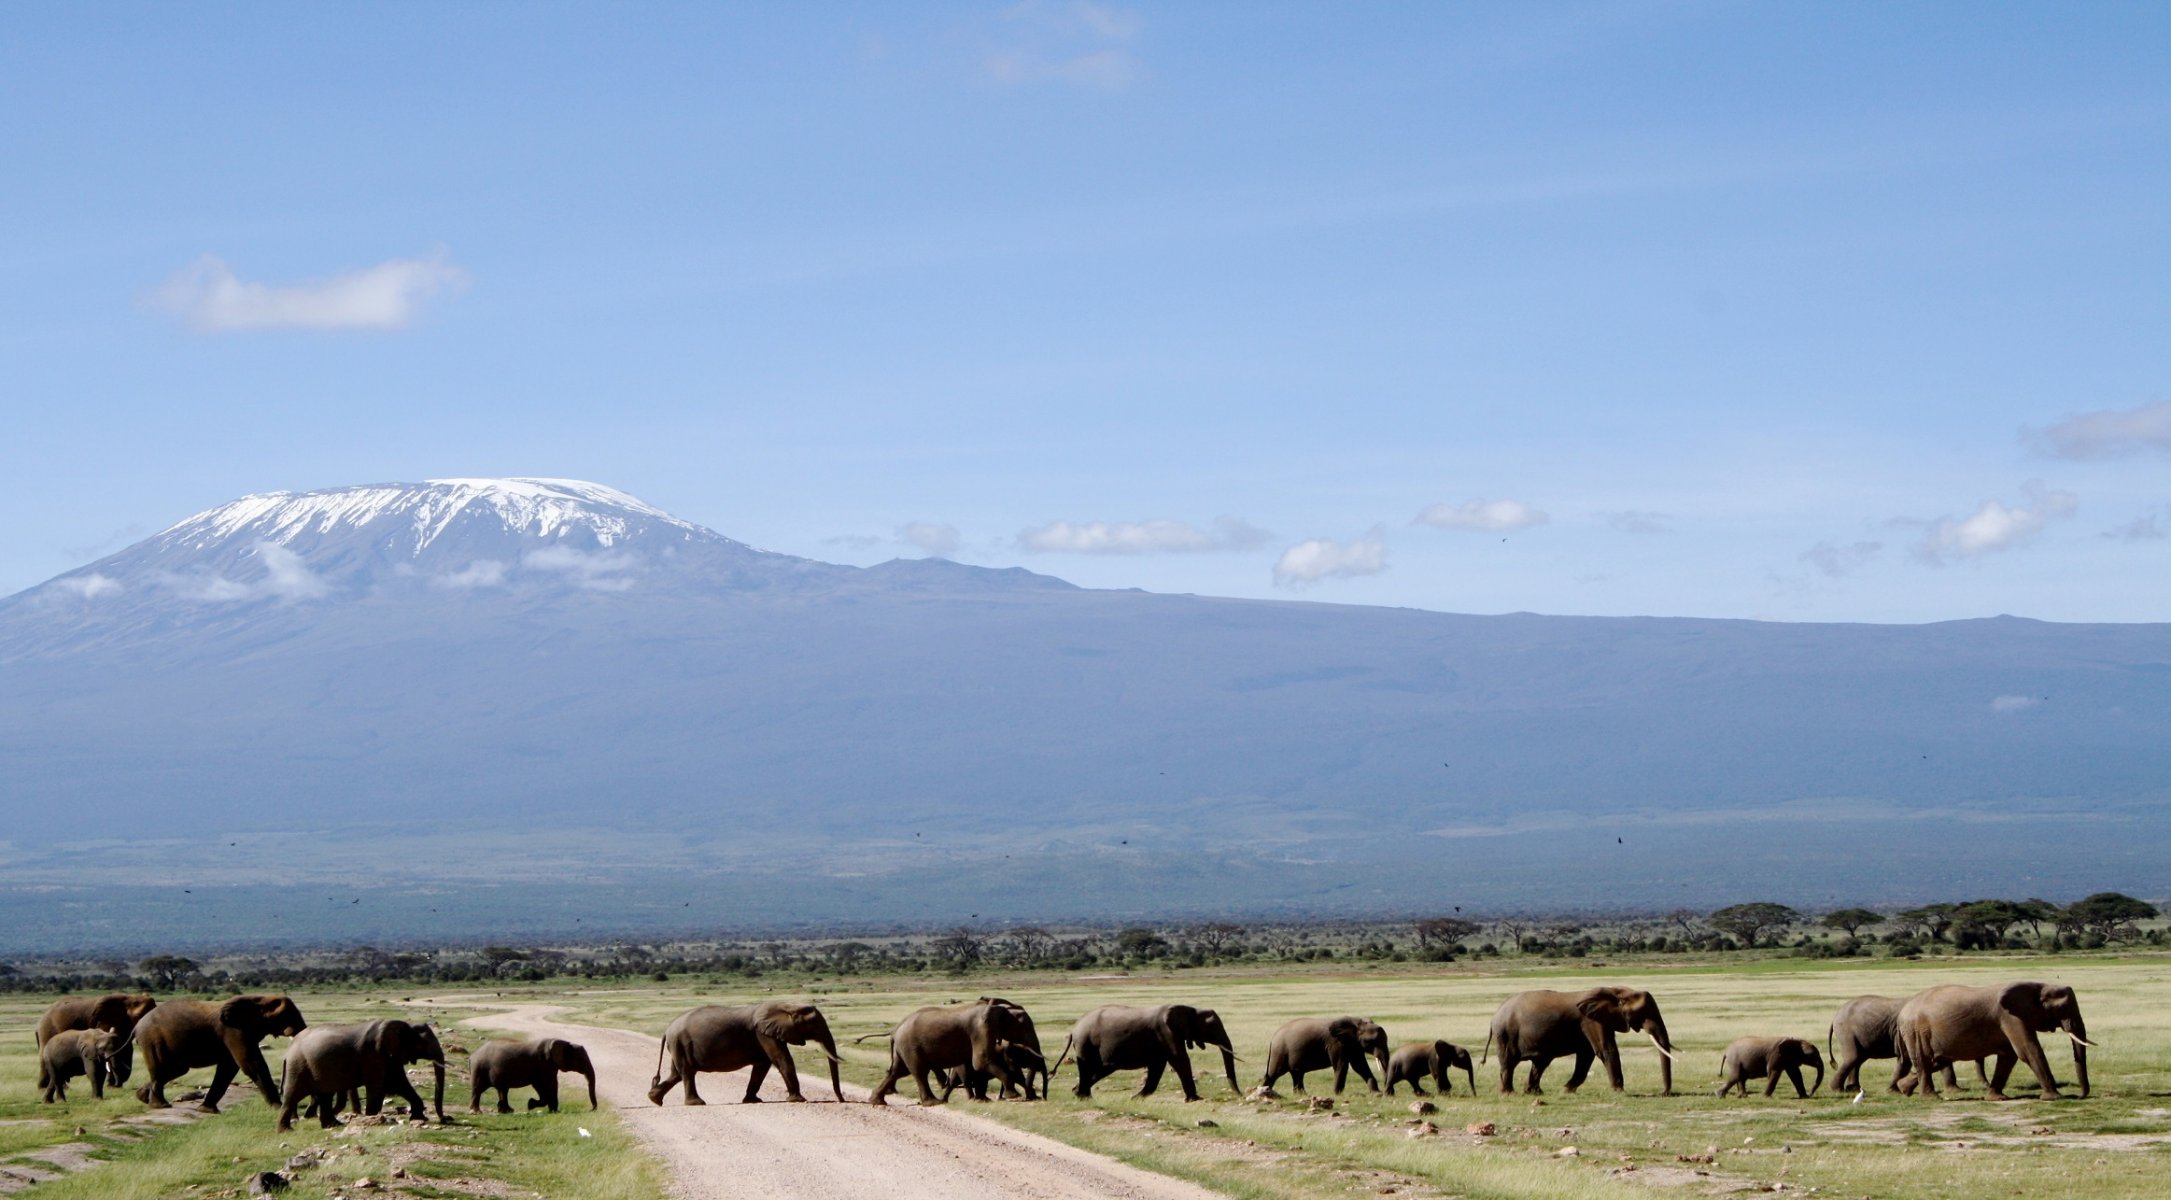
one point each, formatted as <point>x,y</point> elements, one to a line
<point>541,508</point>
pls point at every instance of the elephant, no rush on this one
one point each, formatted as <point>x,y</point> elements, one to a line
<point>115,1013</point>
<point>328,1062</point>
<point>1118,1037</point>
<point>1419,1061</point>
<point>933,1040</point>
<point>1542,1025</point>
<point>1026,1065</point>
<point>181,1035</point>
<point>536,1064</point>
<point>1950,1024</point>
<point>1865,1028</point>
<point>1312,1044</point>
<point>97,1054</point>
<point>719,1038</point>
<point>1767,1058</point>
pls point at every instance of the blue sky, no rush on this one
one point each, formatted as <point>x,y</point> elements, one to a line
<point>1794,311</point>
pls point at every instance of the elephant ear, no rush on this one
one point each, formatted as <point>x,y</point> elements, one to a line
<point>1342,1028</point>
<point>775,1022</point>
<point>1182,1022</point>
<point>388,1039</point>
<point>552,1050</point>
<point>1445,1049</point>
<point>2028,999</point>
<point>1598,1006</point>
<point>245,1013</point>
<point>563,1053</point>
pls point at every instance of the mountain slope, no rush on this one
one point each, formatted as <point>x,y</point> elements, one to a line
<point>937,739</point>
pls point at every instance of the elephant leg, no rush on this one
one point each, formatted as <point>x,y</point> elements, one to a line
<point>221,1076</point>
<point>546,1090</point>
<point>1341,1076</point>
<point>880,1095</point>
<point>2002,1073</point>
<point>481,1084</point>
<point>1089,1071</point>
<point>1508,1063</point>
<point>505,1098</point>
<point>1182,1065</point>
<point>1296,1081</point>
<point>790,1071</point>
<point>1537,1072</point>
<point>1153,1077</point>
<point>754,1080</point>
<point>2031,1050</point>
<point>1583,1060</point>
<point>924,1078</point>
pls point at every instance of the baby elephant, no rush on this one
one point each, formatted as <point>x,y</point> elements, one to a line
<point>100,1054</point>
<point>1419,1061</point>
<point>1766,1058</point>
<point>507,1065</point>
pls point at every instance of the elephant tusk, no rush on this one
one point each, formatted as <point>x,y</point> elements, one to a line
<point>2079,1040</point>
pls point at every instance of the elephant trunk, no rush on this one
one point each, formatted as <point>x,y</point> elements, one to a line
<point>2079,1033</point>
<point>1228,1066</point>
<point>1666,1053</point>
<point>829,1051</point>
<point>1818,1063</point>
<point>437,1088</point>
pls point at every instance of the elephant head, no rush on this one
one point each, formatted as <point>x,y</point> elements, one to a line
<point>570,1056</point>
<point>119,1057</point>
<point>1630,1010</point>
<point>260,1017</point>
<point>119,1013</point>
<point>796,1025</point>
<point>400,1042</point>
<point>1447,1054</point>
<point>1197,1028</point>
<point>1372,1039</point>
<point>1806,1051</point>
<point>2051,1008</point>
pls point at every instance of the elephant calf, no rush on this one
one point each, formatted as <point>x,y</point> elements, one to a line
<point>508,1065</point>
<point>98,1054</point>
<point>1767,1058</point>
<point>326,1064</point>
<point>1307,1044</point>
<point>1419,1061</point>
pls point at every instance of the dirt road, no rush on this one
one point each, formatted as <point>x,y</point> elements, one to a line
<point>830,1151</point>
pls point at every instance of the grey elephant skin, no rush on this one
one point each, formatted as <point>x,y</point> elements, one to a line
<point>1540,1026</point>
<point>1950,1024</point>
<point>180,1036</point>
<point>1767,1058</point>
<point>1320,1044</point>
<point>1865,1028</point>
<point>1418,1061</point>
<point>535,1064</point>
<point>115,1013</point>
<point>974,1038</point>
<point>99,1055</point>
<point>328,1063</point>
<point>717,1037</point>
<point>1119,1037</point>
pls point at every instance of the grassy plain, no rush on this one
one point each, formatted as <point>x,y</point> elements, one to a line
<point>2116,1145</point>
<point>528,1154</point>
<point>2118,1142</point>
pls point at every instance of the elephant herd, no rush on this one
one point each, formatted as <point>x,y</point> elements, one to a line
<point>327,1067</point>
<point>992,1041</point>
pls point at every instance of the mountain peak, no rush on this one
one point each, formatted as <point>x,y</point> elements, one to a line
<point>410,517</point>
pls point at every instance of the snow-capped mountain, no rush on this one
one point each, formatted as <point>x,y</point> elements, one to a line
<point>366,682</point>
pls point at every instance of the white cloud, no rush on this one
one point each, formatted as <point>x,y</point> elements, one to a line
<point>854,541</point>
<point>595,570</point>
<point>1079,43</point>
<point>940,541</point>
<point>286,576</point>
<point>1995,526</point>
<point>1639,522</point>
<point>2013,704</point>
<point>2148,527</point>
<point>1836,560</point>
<point>482,573</point>
<point>212,299</point>
<point>90,586</point>
<point>1142,537</point>
<point>206,589</point>
<point>1308,562</point>
<point>2108,433</point>
<point>1484,516</point>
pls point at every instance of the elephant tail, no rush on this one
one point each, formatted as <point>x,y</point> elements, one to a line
<point>1487,1053</point>
<point>662,1044</point>
<point>1060,1057</point>
<point>868,1037</point>
<point>1828,1051</point>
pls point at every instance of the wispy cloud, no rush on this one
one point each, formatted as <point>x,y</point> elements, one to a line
<point>1142,537</point>
<point>90,586</point>
<point>212,299</point>
<point>2013,704</point>
<point>286,576</point>
<point>1995,526</point>
<point>1483,516</point>
<point>855,541</point>
<point>940,541</point>
<point>1308,562</point>
<point>2108,433</point>
<point>1640,522</point>
<point>1836,560</point>
<point>595,570</point>
<point>1077,42</point>
<point>482,573</point>
<point>2148,527</point>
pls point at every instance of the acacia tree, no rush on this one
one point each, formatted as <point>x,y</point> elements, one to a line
<point>165,968</point>
<point>1932,919</point>
<point>2111,914</point>
<point>1030,942</point>
<point>963,947</point>
<point>1852,920</point>
<point>1216,936</point>
<point>1749,921</point>
<point>1444,930</point>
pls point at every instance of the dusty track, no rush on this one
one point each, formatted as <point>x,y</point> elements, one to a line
<point>820,1151</point>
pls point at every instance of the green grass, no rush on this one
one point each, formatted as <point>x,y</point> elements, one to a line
<point>536,1153</point>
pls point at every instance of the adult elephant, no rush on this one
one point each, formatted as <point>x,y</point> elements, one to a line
<point>1419,1061</point>
<point>931,1041</point>
<point>1118,1037</point>
<point>536,1064</point>
<point>1867,1027</point>
<point>116,1013</point>
<point>1541,1026</point>
<point>1767,1058</point>
<point>717,1037</point>
<point>328,1062</point>
<point>181,1035</point>
<point>1316,1044</point>
<point>1025,1058</point>
<point>1950,1024</point>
